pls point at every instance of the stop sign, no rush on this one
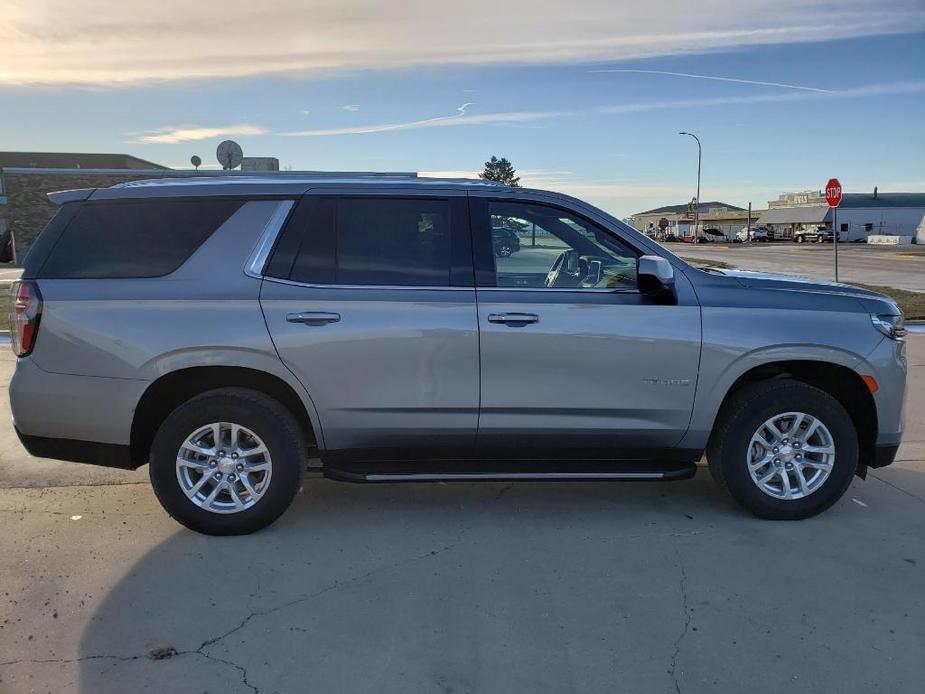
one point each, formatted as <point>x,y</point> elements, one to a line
<point>833,192</point>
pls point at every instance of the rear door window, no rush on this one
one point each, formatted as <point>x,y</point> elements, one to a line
<point>376,241</point>
<point>393,242</point>
<point>121,239</point>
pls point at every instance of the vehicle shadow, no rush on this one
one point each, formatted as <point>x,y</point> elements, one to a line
<point>186,600</point>
<point>541,587</point>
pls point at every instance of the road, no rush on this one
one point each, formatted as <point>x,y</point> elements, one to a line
<point>886,266</point>
<point>543,587</point>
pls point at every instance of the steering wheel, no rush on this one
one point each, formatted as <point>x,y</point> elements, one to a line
<point>555,273</point>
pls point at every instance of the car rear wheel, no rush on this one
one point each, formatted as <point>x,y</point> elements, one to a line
<point>800,239</point>
<point>504,250</point>
<point>227,462</point>
<point>785,450</point>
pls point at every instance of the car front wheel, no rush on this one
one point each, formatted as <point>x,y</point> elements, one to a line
<point>785,450</point>
<point>227,462</point>
<point>504,250</point>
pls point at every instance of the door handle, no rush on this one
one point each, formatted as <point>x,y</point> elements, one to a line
<point>313,318</point>
<point>515,320</point>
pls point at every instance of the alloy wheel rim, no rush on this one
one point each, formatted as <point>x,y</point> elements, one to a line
<point>791,455</point>
<point>224,467</point>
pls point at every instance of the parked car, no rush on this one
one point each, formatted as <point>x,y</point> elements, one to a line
<point>819,234</point>
<point>224,331</point>
<point>756,234</point>
<point>7,253</point>
<point>505,242</point>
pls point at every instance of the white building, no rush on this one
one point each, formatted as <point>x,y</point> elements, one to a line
<point>860,214</point>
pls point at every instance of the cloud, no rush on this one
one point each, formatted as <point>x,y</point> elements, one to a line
<point>350,107</point>
<point>717,79</point>
<point>463,118</point>
<point>104,43</point>
<point>458,118</point>
<point>174,135</point>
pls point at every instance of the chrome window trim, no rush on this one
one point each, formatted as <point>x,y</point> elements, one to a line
<point>257,260</point>
<point>582,290</point>
<point>308,285</point>
<point>588,290</point>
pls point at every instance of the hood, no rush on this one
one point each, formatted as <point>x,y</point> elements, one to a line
<point>873,302</point>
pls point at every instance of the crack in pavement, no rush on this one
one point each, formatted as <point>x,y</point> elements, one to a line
<point>898,488</point>
<point>673,669</point>
<point>506,488</point>
<point>327,589</point>
<point>128,658</point>
<point>201,650</point>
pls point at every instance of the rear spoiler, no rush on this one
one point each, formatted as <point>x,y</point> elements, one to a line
<point>62,196</point>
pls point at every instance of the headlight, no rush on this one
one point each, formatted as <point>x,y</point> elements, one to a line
<point>894,327</point>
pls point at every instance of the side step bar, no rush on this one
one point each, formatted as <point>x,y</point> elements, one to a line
<point>381,472</point>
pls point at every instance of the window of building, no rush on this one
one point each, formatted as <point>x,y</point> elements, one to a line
<point>843,227</point>
<point>148,238</point>
<point>868,227</point>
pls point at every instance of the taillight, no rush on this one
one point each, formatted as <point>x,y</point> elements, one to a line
<point>25,313</point>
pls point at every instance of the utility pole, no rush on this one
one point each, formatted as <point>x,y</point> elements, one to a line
<point>697,206</point>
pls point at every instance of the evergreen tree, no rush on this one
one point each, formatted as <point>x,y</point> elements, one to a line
<point>502,171</point>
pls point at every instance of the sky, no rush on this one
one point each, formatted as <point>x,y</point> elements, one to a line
<point>586,97</point>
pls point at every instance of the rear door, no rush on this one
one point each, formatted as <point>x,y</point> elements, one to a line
<point>575,362</point>
<point>370,302</point>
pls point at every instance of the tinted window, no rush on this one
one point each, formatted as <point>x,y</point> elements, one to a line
<point>402,242</point>
<point>39,251</point>
<point>376,241</point>
<point>134,239</point>
<point>557,250</point>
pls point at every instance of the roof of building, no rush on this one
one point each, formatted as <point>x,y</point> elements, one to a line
<point>858,200</point>
<point>680,209</point>
<point>806,214</point>
<point>73,160</point>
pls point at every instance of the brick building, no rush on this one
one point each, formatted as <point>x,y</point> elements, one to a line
<point>27,177</point>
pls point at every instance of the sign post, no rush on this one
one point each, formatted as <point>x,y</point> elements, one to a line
<point>833,197</point>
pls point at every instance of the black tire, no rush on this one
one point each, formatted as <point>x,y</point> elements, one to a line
<point>741,417</point>
<point>799,239</point>
<point>505,250</point>
<point>264,416</point>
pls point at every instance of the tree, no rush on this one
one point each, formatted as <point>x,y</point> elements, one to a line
<point>502,171</point>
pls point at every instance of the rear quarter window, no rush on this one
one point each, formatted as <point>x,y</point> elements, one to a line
<point>143,238</point>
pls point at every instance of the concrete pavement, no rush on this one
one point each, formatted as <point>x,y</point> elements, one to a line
<point>886,266</point>
<point>464,587</point>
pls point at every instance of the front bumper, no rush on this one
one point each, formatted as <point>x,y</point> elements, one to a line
<point>883,456</point>
<point>889,368</point>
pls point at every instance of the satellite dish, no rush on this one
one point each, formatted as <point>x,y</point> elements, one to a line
<point>229,154</point>
<point>195,160</point>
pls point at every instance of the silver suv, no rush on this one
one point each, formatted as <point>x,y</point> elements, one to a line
<point>227,331</point>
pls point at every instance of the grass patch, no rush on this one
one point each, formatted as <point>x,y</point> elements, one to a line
<point>703,262</point>
<point>911,303</point>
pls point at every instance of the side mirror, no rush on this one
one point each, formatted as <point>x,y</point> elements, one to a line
<point>655,276</point>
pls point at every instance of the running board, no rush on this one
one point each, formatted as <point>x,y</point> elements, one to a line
<point>444,472</point>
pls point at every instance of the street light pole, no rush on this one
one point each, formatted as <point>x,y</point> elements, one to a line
<point>697,205</point>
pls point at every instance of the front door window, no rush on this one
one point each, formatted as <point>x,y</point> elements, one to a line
<point>537,246</point>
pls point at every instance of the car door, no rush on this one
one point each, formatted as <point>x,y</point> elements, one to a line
<point>370,302</point>
<point>574,360</point>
